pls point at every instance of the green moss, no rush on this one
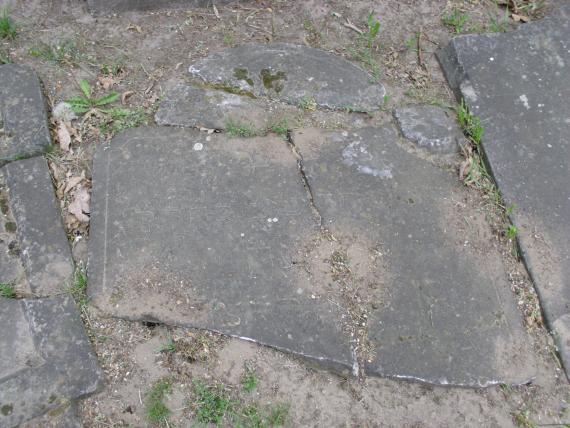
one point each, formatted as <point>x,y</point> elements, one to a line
<point>10,226</point>
<point>243,74</point>
<point>6,409</point>
<point>272,81</point>
<point>230,89</point>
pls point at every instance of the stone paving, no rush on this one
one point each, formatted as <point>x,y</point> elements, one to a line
<point>343,247</point>
<point>265,238</point>
<point>46,360</point>
<point>517,83</point>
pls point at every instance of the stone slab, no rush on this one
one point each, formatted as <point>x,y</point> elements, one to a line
<point>24,128</point>
<point>112,6</point>
<point>440,306</point>
<point>44,248</point>
<point>432,128</point>
<point>45,358</point>
<point>190,106</point>
<point>292,73</point>
<point>517,83</point>
<point>200,231</point>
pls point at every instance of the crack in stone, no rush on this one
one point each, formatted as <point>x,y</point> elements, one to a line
<point>300,164</point>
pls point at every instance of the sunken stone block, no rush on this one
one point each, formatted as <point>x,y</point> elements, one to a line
<point>293,74</point>
<point>431,128</point>
<point>44,248</point>
<point>45,358</point>
<point>517,83</point>
<point>24,128</point>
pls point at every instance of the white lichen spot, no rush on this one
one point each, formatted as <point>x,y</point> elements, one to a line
<point>275,219</point>
<point>524,100</point>
<point>198,146</point>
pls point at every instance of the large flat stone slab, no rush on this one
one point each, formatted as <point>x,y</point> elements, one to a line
<point>45,358</point>
<point>438,303</point>
<point>293,74</point>
<point>201,231</point>
<point>517,83</point>
<point>190,106</point>
<point>112,6</point>
<point>24,128</point>
<point>43,245</point>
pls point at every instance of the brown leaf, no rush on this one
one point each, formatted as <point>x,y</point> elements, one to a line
<point>516,17</point>
<point>126,95</point>
<point>79,207</point>
<point>72,182</point>
<point>134,27</point>
<point>106,81</point>
<point>63,136</point>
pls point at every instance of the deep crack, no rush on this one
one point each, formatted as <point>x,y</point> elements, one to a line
<point>306,183</point>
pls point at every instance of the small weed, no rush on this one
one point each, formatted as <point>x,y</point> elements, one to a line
<point>249,380</point>
<point>313,35</point>
<point>4,58</point>
<point>531,8</point>
<point>78,288</point>
<point>169,347</point>
<point>278,415</point>
<point>118,119</point>
<point>373,29</point>
<point>510,209</point>
<point>7,291</point>
<point>156,410</point>
<point>63,53</point>
<point>511,232</point>
<point>86,102</point>
<point>229,39</point>
<point>522,419</point>
<point>364,50</point>
<point>211,402</point>
<point>280,127</point>
<point>114,69</point>
<point>498,25</point>
<point>308,103</point>
<point>470,124</point>
<point>240,130</point>
<point>8,28</point>
<point>412,43</point>
<point>456,20</point>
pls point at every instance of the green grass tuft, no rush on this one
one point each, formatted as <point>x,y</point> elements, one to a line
<point>7,291</point>
<point>249,381</point>
<point>8,28</point>
<point>156,410</point>
<point>211,403</point>
<point>240,130</point>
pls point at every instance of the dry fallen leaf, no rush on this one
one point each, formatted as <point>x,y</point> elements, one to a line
<point>106,81</point>
<point>126,95</point>
<point>79,207</point>
<point>63,136</point>
<point>516,17</point>
<point>134,27</point>
<point>73,181</point>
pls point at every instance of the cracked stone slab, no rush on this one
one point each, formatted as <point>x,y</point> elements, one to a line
<point>24,128</point>
<point>432,128</point>
<point>292,73</point>
<point>517,83</point>
<point>190,106</point>
<point>43,245</point>
<point>45,358</point>
<point>201,231</point>
<point>110,6</point>
<point>440,308</point>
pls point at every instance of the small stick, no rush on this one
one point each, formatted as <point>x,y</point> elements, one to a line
<point>419,46</point>
<point>350,25</point>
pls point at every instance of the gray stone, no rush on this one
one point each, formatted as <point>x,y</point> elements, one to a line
<point>43,244</point>
<point>429,127</point>
<point>65,416</point>
<point>292,74</point>
<point>440,306</point>
<point>190,106</point>
<point>24,128</point>
<point>517,83</point>
<point>108,6</point>
<point>201,231</point>
<point>45,358</point>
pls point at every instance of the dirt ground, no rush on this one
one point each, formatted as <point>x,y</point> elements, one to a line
<point>142,55</point>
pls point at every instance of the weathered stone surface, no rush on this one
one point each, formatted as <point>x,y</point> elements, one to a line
<point>24,128</point>
<point>201,231</point>
<point>440,305</point>
<point>517,83</point>
<point>429,127</point>
<point>45,358</point>
<point>108,6</point>
<point>190,106</point>
<point>43,245</point>
<point>292,74</point>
